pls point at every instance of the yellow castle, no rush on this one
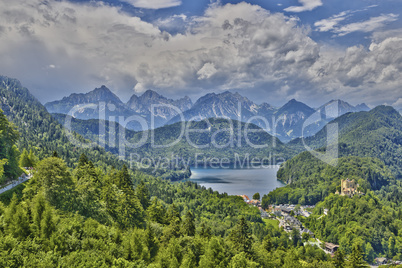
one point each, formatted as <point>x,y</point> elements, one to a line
<point>349,188</point>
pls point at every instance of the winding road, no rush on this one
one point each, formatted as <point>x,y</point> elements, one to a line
<point>15,183</point>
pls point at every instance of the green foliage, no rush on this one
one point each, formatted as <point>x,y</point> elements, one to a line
<point>40,131</point>
<point>241,237</point>
<point>189,225</point>
<point>256,196</point>
<point>216,130</point>
<point>6,197</point>
<point>376,134</point>
<point>27,159</point>
<point>52,176</point>
<point>88,218</point>
<point>355,259</point>
<point>339,259</point>
<point>361,219</point>
<point>9,153</point>
<point>310,180</point>
<point>24,159</point>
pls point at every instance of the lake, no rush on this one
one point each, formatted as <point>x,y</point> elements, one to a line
<point>238,181</point>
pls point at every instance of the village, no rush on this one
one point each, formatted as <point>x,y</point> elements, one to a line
<point>287,217</point>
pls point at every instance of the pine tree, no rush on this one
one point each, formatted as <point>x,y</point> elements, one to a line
<point>47,224</point>
<point>256,196</point>
<point>21,223</point>
<point>391,247</point>
<point>240,260</point>
<point>189,260</point>
<point>295,237</point>
<point>38,210</point>
<point>173,213</point>
<point>157,212</point>
<point>355,259</point>
<point>267,243</point>
<point>123,180</point>
<point>151,242</point>
<point>241,237</point>
<point>143,194</point>
<point>339,260</point>
<point>32,158</point>
<point>370,253</point>
<point>205,231</point>
<point>24,159</point>
<point>214,254</point>
<point>83,160</point>
<point>189,225</point>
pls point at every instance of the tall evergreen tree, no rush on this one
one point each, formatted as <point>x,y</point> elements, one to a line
<point>83,160</point>
<point>355,259</point>
<point>24,159</point>
<point>32,158</point>
<point>339,260</point>
<point>123,180</point>
<point>241,237</point>
<point>143,194</point>
<point>188,224</point>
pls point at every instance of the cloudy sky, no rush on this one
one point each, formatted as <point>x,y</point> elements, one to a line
<point>268,50</point>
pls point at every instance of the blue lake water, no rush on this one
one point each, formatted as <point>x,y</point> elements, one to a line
<point>238,181</point>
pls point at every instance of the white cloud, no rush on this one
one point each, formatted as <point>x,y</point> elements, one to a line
<point>154,4</point>
<point>371,75</point>
<point>206,71</point>
<point>398,104</point>
<point>333,23</point>
<point>235,46</point>
<point>329,24</point>
<point>306,5</point>
<point>369,25</point>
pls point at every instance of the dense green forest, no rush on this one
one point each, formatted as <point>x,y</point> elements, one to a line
<point>88,218</point>
<point>309,180</point>
<point>363,220</point>
<point>9,153</point>
<point>377,134</point>
<point>372,219</point>
<point>40,132</point>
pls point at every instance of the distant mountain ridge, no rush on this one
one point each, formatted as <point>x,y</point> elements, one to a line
<point>286,122</point>
<point>161,107</point>
<point>140,106</point>
<point>336,108</point>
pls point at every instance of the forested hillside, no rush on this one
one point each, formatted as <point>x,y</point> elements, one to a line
<point>370,151</point>
<point>87,218</point>
<point>363,220</point>
<point>377,133</point>
<point>309,180</point>
<point>210,138</point>
<point>9,154</point>
<point>39,131</point>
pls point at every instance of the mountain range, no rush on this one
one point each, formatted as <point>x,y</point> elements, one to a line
<point>101,103</point>
<point>153,109</point>
<point>376,133</point>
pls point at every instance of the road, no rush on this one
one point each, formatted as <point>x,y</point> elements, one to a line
<point>15,183</point>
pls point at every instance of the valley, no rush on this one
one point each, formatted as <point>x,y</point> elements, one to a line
<point>83,153</point>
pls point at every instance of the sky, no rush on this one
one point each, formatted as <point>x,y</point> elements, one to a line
<point>267,50</point>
